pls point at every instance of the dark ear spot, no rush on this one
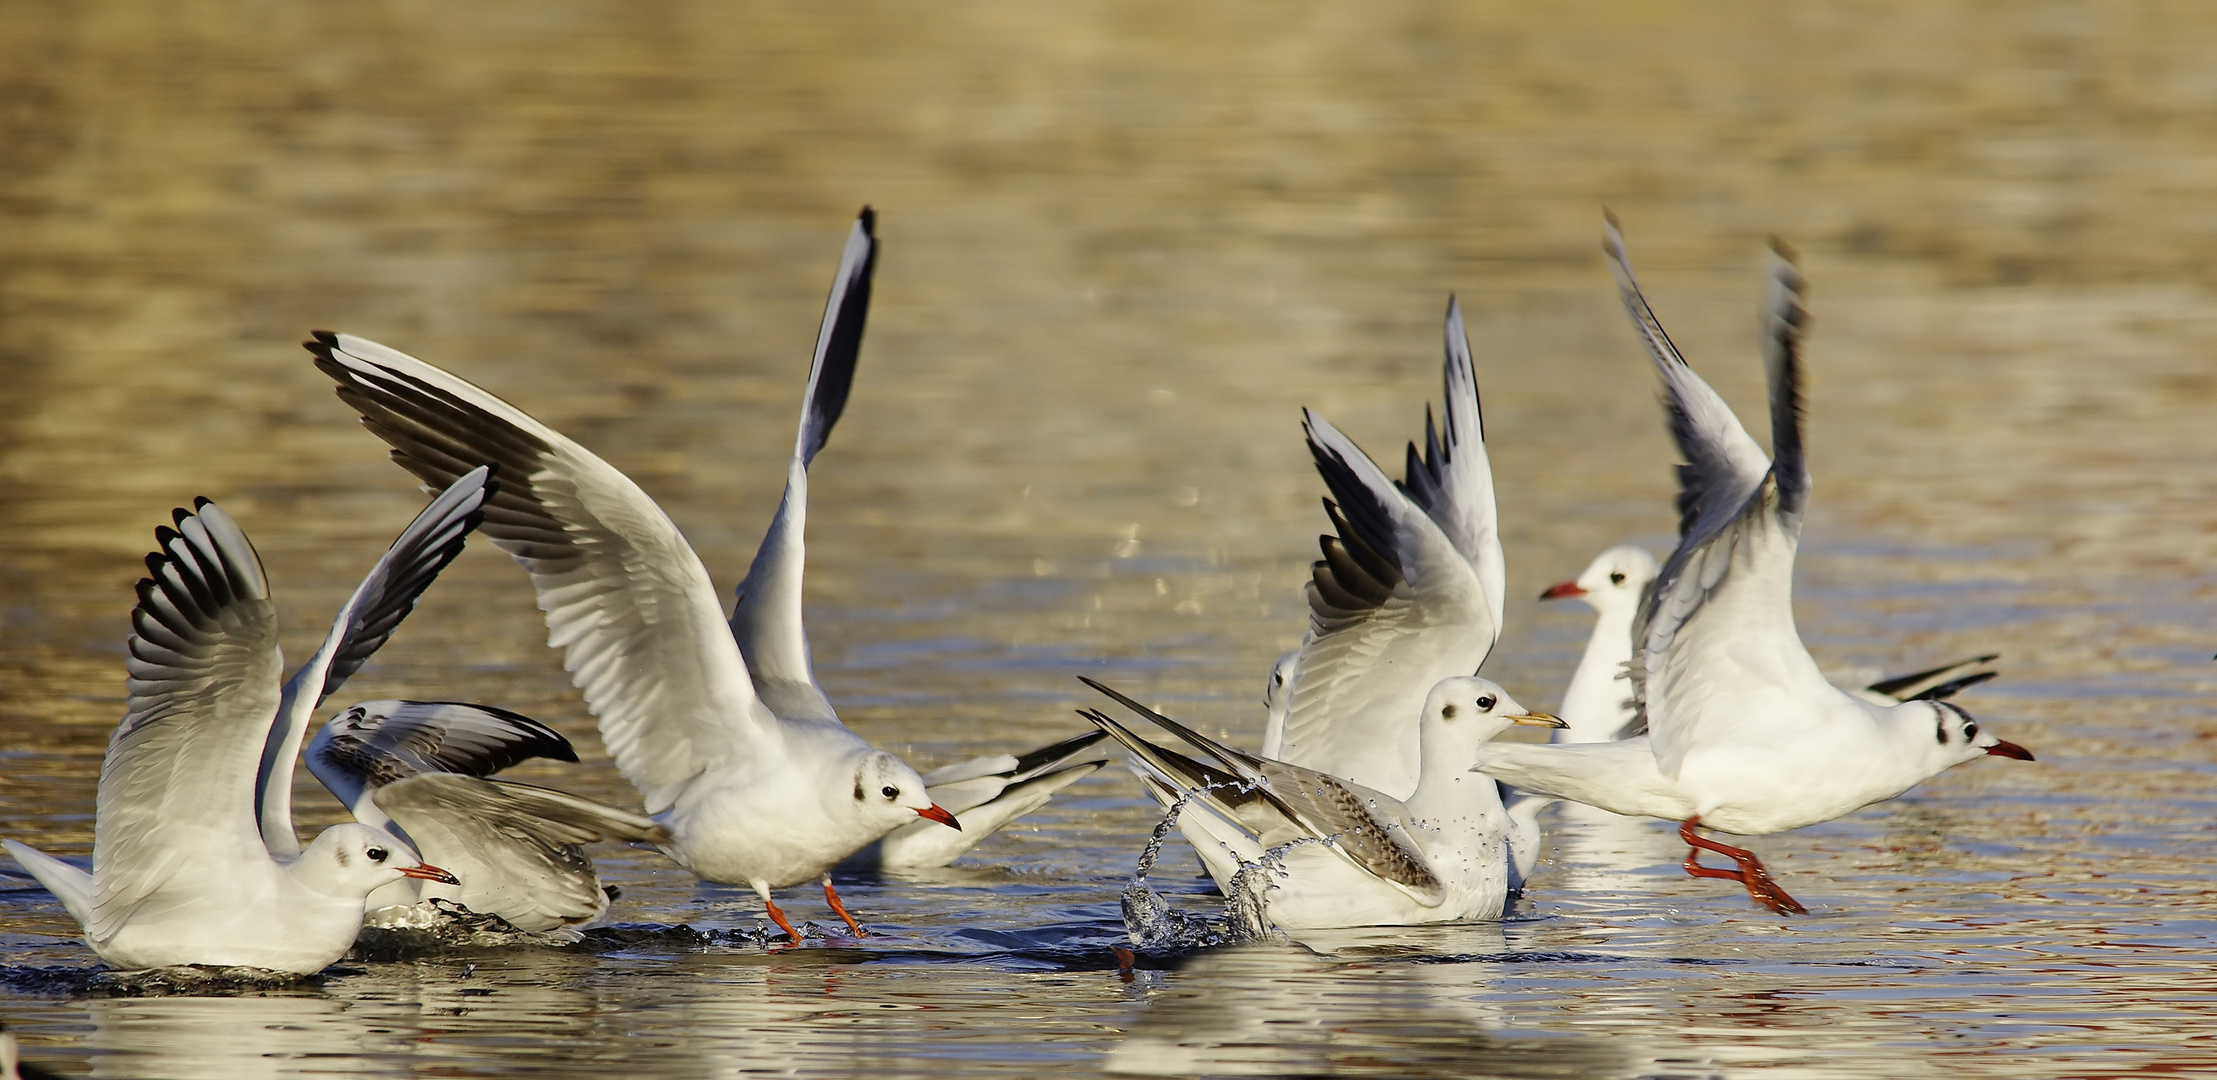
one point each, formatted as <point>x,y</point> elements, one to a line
<point>1447,712</point>
<point>1940,730</point>
<point>1616,577</point>
<point>858,787</point>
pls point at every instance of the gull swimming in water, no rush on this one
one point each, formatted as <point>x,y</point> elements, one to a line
<point>1409,591</point>
<point>1342,854</point>
<point>418,769</point>
<point>180,870</point>
<point>1742,733</point>
<point>768,617</point>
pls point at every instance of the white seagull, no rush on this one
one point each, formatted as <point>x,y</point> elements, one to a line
<point>1343,854</point>
<point>750,796</point>
<point>1598,703</point>
<point>768,619</point>
<point>1743,734</point>
<point>180,871</point>
<point>417,769</point>
<point>1408,593</point>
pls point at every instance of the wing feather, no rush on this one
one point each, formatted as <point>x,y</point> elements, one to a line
<point>767,618</point>
<point>1394,607</point>
<point>1731,579</point>
<point>1368,827</point>
<point>177,787</point>
<point>386,595</point>
<point>625,597</point>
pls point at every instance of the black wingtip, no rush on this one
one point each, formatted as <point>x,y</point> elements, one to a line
<point>868,219</point>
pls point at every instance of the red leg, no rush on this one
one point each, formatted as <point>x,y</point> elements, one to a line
<point>778,917</point>
<point>1760,887</point>
<point>833,898</point>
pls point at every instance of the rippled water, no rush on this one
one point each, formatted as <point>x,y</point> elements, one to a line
<point>1124,242</point>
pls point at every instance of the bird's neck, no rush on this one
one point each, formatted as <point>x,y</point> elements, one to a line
<point>1596,703</point>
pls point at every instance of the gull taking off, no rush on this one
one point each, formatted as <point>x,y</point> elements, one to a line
<point>749,796</point>
<point>1409,591</point>
<point>1743,734</point>
<point>180,870</point>
<point>417,769</point>
<point>1342,854</point>
<point>768,619</point>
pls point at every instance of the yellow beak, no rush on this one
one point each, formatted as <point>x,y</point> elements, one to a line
<point>1539,719</point>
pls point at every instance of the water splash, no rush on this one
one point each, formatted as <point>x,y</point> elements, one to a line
<point>1156,926</point>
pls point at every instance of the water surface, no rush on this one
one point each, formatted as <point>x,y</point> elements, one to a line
<point>1124,243</point>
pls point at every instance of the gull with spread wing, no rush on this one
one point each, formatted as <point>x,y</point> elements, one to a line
<point>1409,591</point>
<point>1345,854</point>
<point>181,870</point>
<point>750,796</point>
<point>1742,733</point>
<point>768,619</point>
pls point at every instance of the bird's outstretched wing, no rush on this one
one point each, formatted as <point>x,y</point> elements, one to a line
<point>1731,579</point>
<point>385,597</point>
<point>177,789</point>
<point>626,599</point>
<point>767,619</point>
<point>1409,591</point>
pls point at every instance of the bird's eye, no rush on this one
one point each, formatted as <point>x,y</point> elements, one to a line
<point>1970,731</point>
<point>890,792</point>
<point>1616,577</point>
<point>376,854</point>
<point>1485,704</point>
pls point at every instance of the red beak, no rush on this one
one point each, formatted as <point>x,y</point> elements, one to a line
<point>428,872</point>
<point>1564,591</point>
<point>2008,749</point>
<point>939,814</point>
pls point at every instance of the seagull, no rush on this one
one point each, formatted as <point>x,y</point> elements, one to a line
<point>180,870</point>
<point>1345,854</point>
<point>417,769</point>
<point>749,796</point>
<point>1409,591</point>
<point>768,619</point>
<point>1598,703</point>
<point>1739,731</point>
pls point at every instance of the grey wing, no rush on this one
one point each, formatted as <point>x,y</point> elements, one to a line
<point>376,743</point>
<point>386,595</point>
<point>625,597</point>
<point>517,850</point>
<point>1280,803</point>
<point>1366,826</point>
<point>1731,578</point>
<point>1452,478</point>
<point>988,800</point>
<point>767,619</point>
<point>178,784</point>
<point>1723,464</point>
<point>1932,684</point>
<point>968,784</point>
<point>1394,607</point>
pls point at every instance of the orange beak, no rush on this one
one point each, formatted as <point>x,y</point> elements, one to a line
<point>937,813</point>
<point>2008,749</point>
<point>428,872</point>
<point>1564,591</point>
